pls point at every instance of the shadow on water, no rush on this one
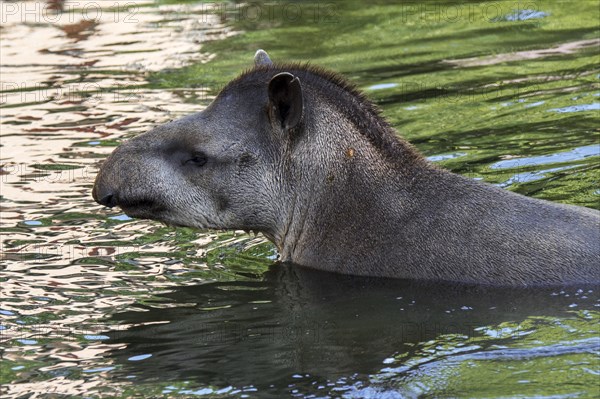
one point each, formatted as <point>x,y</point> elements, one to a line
<point>298,323</point>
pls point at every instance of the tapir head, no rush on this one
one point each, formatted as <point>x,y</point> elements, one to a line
<point>222,168</point>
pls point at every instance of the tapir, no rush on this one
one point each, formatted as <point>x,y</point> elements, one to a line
<point>297,153</point>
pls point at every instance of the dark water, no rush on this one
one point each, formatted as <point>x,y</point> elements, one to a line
<point>97,305</point>
<point>311,334</point>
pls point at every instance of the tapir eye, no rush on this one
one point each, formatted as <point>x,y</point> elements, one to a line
<point>197,159</point>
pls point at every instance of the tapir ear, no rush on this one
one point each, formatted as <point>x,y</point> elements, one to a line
<point>285,99</point>
<point>262,58</point>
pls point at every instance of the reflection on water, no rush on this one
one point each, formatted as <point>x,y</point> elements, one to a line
<point>303,331</point>
<point>72,85</point>
<point>575,154</point>
<point>94,304</point>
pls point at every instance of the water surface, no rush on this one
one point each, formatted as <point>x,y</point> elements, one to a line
<point>95,304</point>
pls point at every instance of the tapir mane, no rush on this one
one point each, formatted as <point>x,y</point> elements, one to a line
<point>346,98</point>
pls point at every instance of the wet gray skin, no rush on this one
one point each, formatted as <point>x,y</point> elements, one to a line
<point>298,154</point>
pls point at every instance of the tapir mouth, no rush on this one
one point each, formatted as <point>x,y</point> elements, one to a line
<point>150,210</point>
<point>142,209</point>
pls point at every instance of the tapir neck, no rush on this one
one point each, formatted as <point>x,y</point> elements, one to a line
<point>349,197</point>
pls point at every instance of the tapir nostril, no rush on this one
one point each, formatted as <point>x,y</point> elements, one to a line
<point>109,200</point>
